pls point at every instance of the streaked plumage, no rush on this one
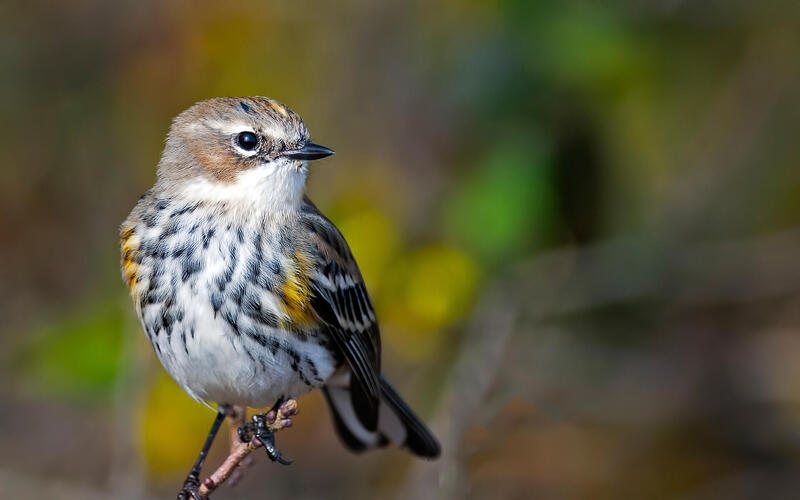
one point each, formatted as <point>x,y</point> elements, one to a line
<point>247,292</point>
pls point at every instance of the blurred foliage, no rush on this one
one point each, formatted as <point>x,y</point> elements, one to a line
<point>431,289</point>
<point>375,239</point>
<point>475,141</point>
<point>78,357</point>
<point>169,415</point>
<point>507,207</point>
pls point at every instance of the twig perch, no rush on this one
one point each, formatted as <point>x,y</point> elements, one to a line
<point>239,450</point>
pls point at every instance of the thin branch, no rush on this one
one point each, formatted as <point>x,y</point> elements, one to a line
<point>239,450</point>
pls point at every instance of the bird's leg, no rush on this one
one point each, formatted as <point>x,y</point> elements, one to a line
<point>192,482</point>
<point>264,426</point>
<point>247,431</point>
<point>238,418</point>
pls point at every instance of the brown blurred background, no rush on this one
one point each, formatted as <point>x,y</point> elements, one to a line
<point>580,223</point>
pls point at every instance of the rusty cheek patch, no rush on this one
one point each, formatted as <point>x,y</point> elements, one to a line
<point>219,164</point>
<point>217,158</point>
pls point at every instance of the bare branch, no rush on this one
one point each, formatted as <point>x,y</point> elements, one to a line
<point>239,450</point>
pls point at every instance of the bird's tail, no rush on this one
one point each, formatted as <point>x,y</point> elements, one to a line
<point>396,422</point>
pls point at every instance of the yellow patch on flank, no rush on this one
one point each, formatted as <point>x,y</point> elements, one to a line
<point>297,292</point>
<point>277,107</point>
<point>130,250</point>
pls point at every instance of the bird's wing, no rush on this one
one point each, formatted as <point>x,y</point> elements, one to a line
<point>341,302</point>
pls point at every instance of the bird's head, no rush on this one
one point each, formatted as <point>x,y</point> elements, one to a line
<point>251,150</point>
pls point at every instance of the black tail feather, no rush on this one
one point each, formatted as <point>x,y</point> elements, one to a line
<point>419,439</point>
<point>348,438</point>
<point>397,422</point>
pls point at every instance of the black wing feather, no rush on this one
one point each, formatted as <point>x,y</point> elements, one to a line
<point>341,302</point>
<point>365,385</point>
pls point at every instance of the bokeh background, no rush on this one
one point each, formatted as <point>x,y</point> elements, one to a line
<point>579,221</point>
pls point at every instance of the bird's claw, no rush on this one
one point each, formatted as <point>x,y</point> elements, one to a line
<point>264,425</point>
<point>273,453</point>
<point>244,433</point>
<point>267,438</point>
<point>190,488</point>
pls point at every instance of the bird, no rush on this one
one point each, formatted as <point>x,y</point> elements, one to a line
<point>249,295</point>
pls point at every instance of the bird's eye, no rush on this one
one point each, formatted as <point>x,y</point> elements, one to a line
<point>247,141</point>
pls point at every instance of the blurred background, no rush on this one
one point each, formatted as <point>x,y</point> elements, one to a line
<point>579,222</point>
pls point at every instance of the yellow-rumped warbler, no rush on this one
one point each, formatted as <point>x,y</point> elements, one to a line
<point>248,294</point>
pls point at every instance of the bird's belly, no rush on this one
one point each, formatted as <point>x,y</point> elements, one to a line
<point>211,311</point>
<point>212,362</point>
<point>218,365</point>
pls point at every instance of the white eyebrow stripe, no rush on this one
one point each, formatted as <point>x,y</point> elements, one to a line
<point>277,133</point>
<point>230,128</point>
<point>234,128</point>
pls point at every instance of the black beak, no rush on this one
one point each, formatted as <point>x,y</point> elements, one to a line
<point>310,151</point>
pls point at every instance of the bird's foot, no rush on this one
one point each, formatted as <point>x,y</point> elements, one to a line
<point>264,426</point>
<point>267,438</point>
<point>190,487</point>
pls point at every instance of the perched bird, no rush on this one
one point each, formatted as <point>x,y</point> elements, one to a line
<point>247,292</point>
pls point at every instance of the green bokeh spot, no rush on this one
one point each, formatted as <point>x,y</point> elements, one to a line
<point>77,357</point>
<point>506,206</point>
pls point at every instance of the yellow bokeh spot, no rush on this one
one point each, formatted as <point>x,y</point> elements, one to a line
<point>374,241</point>
<point>432,289</point>
<point>172,428</point>
<point>441,282</point>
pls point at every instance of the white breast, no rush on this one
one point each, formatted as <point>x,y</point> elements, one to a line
<point>210,313</point>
